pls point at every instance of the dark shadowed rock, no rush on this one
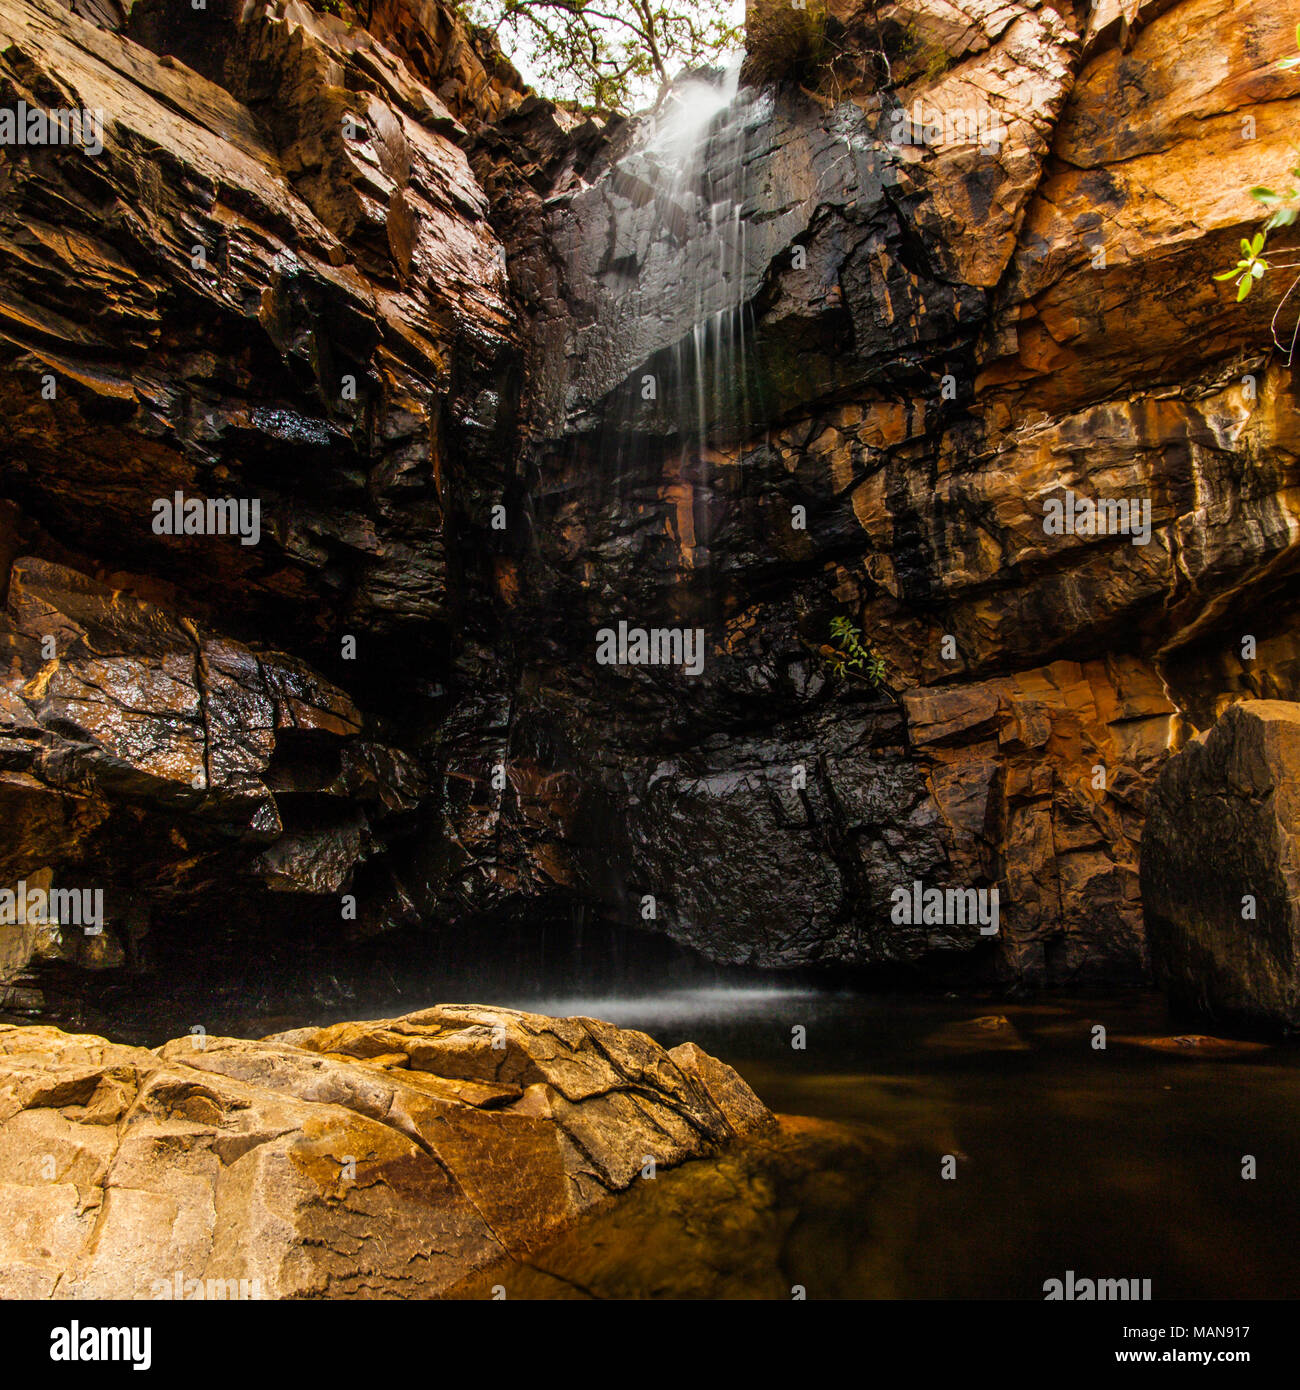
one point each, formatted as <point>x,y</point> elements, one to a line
<point>1221,868</point>
<point>122,722</point>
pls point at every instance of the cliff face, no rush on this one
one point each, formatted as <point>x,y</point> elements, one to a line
<point>947,335</point>
<point>277,281</point>
<point>355,272</point>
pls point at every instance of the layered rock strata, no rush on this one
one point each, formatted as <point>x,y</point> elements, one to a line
<point>975,295</point>
<point>345,265</point>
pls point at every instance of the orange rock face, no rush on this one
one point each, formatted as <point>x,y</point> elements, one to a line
<point>971,387</point>
<point>259,1169</point>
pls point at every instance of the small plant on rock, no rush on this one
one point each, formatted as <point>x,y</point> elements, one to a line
<point>1249,268</point>
<point>1284,208</point>
<point>847,657</point>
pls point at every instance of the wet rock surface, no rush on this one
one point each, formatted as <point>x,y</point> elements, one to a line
<point>276,282</point>
<point>223,1167</point>
<point>1219,865</point>
<point>731,1228</point>
<point>977,331</point>
<point>347,265</point>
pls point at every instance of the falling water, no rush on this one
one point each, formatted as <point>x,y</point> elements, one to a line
<point>699,149</point>
<point>681,243</point>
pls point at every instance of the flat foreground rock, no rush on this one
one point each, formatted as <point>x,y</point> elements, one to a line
<point>389,1159</point>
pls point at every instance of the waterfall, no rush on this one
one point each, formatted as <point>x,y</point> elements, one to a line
<point>666,364</point>
<point>668,250</point>
<point>694,158</point>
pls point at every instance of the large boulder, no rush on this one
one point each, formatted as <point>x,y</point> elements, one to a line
<point>389,1159</point>
<point>1221,868</point>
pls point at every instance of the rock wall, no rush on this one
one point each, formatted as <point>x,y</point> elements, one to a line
<point>948,336</point>
<point>1219,870</point>
<point>355,271</point>
<point>276,281</point>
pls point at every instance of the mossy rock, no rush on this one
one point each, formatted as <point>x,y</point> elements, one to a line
<point>785,41</point>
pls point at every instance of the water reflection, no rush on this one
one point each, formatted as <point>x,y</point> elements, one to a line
<point>1122,1162</point>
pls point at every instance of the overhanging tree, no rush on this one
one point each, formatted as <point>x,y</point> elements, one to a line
<point>608,53</point>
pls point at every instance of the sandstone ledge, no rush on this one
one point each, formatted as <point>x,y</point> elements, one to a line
<point>387,1159</point>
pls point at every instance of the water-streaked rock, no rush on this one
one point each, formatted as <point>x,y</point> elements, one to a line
<point>970,331</point>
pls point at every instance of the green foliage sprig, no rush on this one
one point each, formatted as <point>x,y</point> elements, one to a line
<point>1284,209</point>
<point>847,656</point>
<point>1287,64</point>
<point>1250,268</point>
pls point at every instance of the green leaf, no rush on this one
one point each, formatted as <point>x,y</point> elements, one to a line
<point>1229,274</point>
<point>1265,195</point>
<point>1244,287</point>
<point>1283,217</point>
<point>1257,245</point>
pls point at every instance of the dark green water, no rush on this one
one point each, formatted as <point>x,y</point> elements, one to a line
<point>1117,1163</point>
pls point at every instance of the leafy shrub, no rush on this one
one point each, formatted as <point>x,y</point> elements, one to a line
<point>847,657</point>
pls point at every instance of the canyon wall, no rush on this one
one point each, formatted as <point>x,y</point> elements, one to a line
<point>948,336</point>
<point>277,280</point>
<point>348,266</point>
